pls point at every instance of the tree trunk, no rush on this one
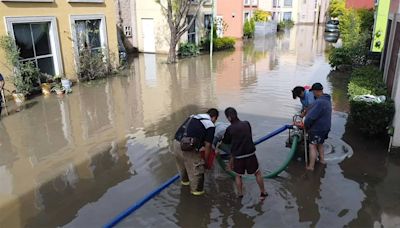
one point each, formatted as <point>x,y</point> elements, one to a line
<point>172,49</point>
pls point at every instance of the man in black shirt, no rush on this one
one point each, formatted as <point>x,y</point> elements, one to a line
<point>196,132</point>
<point>243,151</point>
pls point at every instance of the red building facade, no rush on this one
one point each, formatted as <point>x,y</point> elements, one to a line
<point>360,4</point>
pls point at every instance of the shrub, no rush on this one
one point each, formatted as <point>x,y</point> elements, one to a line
<point>285,24</point>
<point>369,117</point>
<point>352,55</point>
<point>366,81</point>
<point>261,15</point>
<point>224,43</point>
<point>367,19</point>
<point>249,27</point>
<point>25,74</point>
<point>188,49</point>
<point>337,8</point>
<point>219,44</point>
<point>92,65</point>
<point>350,27</point>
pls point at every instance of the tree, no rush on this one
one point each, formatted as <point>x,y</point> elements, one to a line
<point>177,12</point>
<point>261,15</point>
<point>337,8</point>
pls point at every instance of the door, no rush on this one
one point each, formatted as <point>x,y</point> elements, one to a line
<point>148,35</point>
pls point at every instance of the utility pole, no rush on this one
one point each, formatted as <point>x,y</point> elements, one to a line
<point>212,30</point>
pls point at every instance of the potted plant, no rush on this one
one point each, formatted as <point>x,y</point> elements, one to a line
<point>46,86</point>
<point>24,74</point>
<point>66,84</point>
<point>58,89</point>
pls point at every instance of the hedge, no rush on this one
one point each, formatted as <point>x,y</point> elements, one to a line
<point>370,118</point>
<point>219,44</point>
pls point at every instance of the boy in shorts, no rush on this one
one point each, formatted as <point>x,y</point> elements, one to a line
<point>243,151</point>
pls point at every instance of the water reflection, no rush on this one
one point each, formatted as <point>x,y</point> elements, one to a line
<point>64,161</point>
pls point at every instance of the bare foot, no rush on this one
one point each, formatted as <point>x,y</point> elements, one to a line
<point>322,162</point>
<point>310,168</point>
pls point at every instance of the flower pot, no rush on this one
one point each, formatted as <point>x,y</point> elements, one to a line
<point>19,98</point>
<point>66,84</point>
<point>59,91</point>
<point>46,88</point>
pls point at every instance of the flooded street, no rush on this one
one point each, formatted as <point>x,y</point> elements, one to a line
<point>79,160</point>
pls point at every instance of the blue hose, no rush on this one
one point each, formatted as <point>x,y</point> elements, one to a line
<point>152,194</point>
<point>272,134</point>
<point>140,203</point>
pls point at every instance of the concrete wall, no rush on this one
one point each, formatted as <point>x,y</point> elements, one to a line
<point>359,4</point>
<point>232,13</point>
<point>388,63</point>
<point>152,10</point>
<point>61,9</point>
<point>126,17</point>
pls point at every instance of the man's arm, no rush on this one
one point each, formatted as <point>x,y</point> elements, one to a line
<point>312,115</point>
<point>208,142</point>
<point>227,136</point>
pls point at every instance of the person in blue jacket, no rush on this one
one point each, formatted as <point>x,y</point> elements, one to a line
<point>306,98</point>
<point>318,124</point>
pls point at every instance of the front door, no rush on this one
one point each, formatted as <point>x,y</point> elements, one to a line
<point>148,35</point>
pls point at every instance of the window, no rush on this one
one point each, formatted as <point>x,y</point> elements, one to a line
<point>89,31</point>
<point>192,30</point>
<point>207,23</point>
<point>274,3</point>
<point>287,16</point>
<point>246,16</point>
<point>287,3</point>
<point>247,2</point>
<point>254,2</point>
<point>88,34</point>
<point>37,39</point>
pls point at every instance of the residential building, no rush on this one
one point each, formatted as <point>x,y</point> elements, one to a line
<point>298,11</point>
<point>361,4</point>
<point>50,32</point>
<point>126,23</point>
<point>390,63</point>
<point>153,31</point>
<point>234,14</point>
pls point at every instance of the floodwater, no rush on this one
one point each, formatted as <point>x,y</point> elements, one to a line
<point>79,160</point>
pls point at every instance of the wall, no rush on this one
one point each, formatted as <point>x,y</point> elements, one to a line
<point>232,14</point>
<point>126,16</point>
<point>62,10</point>
<point>357,4</point>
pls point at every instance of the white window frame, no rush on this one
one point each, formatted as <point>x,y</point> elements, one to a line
<point>247,2</point>
<point>53,35</point>
<point>102,32</point>
<point>244,15</point>
<point>27,0</point>
<point>86,1</point>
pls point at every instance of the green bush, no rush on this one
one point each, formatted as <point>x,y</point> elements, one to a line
<point>249,27</point>
<point>352,55</point>
<point>188,49</point>
<point>224,43</point>
<point>261,15</point>
<point>93,65</point>
<point>372,119</point>
<point>366,81</point>
<point>285,24</point>
<point>337,8</point>
<point>369,117</point>
<point>367,19</point>
<point>219,44</point>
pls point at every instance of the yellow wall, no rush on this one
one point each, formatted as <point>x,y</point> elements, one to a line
<point>62,10</point>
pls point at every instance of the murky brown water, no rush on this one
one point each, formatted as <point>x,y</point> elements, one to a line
<point>80,160</point>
